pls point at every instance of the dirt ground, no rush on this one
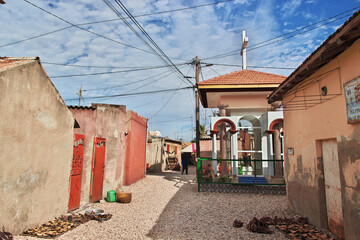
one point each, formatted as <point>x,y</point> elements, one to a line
<point>168,206</point>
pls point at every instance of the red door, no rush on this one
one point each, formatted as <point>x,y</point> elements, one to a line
<point>76,172</point>
<point>97,173</point>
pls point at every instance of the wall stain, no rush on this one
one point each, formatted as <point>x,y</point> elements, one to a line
<point>19,189</point>
<point>349,154</point>
<point>27,182</point>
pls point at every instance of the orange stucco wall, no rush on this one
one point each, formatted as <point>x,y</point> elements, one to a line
<point>246,101</point>
<point>304,131</point>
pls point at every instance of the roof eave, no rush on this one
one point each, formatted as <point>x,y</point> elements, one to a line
<point>333,46</point>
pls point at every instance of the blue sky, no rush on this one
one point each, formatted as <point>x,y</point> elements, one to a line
<point>205,32</point>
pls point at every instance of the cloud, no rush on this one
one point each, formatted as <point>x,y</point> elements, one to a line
<point>290,7</point>
<point>182,35</point>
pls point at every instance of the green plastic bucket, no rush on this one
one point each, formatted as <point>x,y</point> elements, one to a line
<point>111,196</point>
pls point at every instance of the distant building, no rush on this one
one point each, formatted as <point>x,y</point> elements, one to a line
<point>321,102</point>
<point>162,154</point>
<point>36,136</point>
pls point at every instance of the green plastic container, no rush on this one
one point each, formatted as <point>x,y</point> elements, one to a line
<point>111,196</point>
<point>240,170</point>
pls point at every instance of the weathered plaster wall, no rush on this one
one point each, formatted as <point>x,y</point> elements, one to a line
<point>136,127</point>
<point>86,119</point>
<point>154,155</point>
<point>106,121</point>
<point>304,131</point>
<point>36,138</point>
<point>110,123</point>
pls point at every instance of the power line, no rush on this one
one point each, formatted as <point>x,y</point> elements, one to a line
<point>177,89</point>
<point>138,25</point>
<point>173,120</point>
<point>92,66</point>
<point>172,95</point>
<point>122,85</point>
<point>215,71</point>
<point>102,73</point>
<point>111,20</point>
<point>235,65</point>
<point>86,30</point>
<point>308,30</point>
<point>130,94</point>
<point>171,72</point>
<point>34,37</point>
<point>266,42</point>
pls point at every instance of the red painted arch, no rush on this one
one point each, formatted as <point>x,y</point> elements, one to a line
<point>273,123</point>
<point>276,121</point>
<point>224,120</point>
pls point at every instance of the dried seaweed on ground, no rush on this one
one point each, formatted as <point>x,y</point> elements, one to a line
<point>5,235</point>
<point>295,228</point>
<point>64,223</point>
<point>302,231</point>
<point>238,223</point>
<point>50,229</point>
<point>258,226</point>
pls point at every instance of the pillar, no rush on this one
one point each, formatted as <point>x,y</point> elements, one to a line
<point>222,113</point>
<point>214,153</point>
<point>277,151</point>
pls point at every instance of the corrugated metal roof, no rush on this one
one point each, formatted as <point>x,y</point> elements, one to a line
<point>334,45</point>
<point>10,62</point>
<point>81,107</point>
<point>244,77</point>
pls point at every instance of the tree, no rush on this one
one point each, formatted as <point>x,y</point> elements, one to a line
<point>203,131</point>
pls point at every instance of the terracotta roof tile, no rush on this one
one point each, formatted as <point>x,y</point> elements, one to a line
<point>9,62</point>
<point>245,77</point>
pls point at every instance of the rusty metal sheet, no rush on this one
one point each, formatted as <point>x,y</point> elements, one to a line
<point>352,97</point>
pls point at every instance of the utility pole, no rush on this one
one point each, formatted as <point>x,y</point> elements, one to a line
<point>80,94</point>
<point>197,65</point>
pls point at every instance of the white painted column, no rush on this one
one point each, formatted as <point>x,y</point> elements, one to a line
<point>214,153</point>
<point>264,148</point>
<point>234,153</point>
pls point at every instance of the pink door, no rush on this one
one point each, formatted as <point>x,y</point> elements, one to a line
<point>97,172</point>
<point>76,172</point>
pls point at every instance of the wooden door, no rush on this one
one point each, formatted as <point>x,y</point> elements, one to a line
<point>97,172</point>
<point>333,187</point>
<point>76,172</point>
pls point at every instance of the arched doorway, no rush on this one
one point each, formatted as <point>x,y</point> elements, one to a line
<point>250,145</point>
<point>227,142</point>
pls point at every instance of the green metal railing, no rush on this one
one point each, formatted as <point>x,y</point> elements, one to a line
<point>255,175</point>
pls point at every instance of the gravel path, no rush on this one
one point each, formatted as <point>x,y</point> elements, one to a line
<point>168,206</point>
